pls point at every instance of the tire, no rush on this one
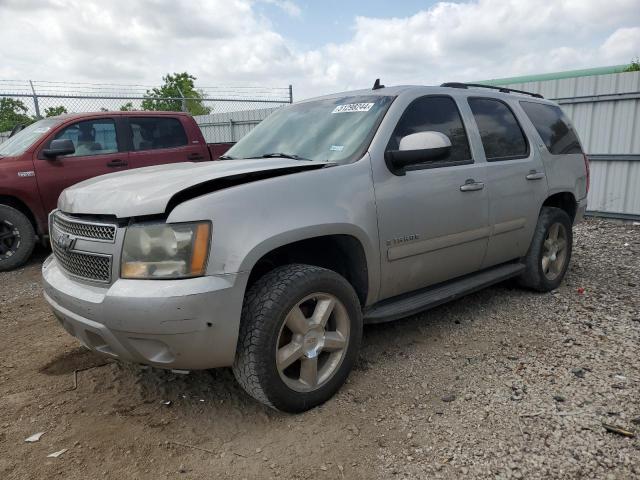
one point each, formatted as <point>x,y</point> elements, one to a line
<point>547,259</point>
<point>17,238</point>
<point>271,320</point>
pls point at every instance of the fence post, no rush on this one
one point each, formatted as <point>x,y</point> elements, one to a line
<point>290,93</point>
<point>233,133</point>
<point>35,100</point>
<point>183,100</point>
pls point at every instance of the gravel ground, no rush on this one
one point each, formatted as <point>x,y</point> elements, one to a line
<point>504,383</point>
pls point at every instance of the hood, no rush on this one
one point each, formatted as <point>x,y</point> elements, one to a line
<point>156,190</point>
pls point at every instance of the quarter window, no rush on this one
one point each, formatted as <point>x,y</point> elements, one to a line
<point>501,135</point>
<point>91,137</point>
<point>553,127</point>
<point>152,133</point>
<point>434,114</point>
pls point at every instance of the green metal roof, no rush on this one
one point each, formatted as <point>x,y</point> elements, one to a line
<point>556,76</point>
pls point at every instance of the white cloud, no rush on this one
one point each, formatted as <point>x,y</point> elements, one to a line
<point>289,7</point>
<point>227,41</point>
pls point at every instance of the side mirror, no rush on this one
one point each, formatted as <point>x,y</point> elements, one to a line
<point>418,148</point>
<point>59,147</point>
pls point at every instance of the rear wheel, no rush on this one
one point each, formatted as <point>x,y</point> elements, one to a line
<point>17,238</point>
<point>550,251</point>
<point>299,337</point>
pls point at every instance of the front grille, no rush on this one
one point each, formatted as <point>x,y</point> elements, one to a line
<point>85,265</point>
<point>93,231</point>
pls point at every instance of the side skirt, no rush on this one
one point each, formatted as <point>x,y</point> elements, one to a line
<point>408,304</point>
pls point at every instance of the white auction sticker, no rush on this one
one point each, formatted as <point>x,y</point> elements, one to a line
<point>353,107</point>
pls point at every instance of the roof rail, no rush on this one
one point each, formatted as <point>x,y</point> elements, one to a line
<point>480,85</point>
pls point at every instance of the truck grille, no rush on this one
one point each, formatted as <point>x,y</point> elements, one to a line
<point>93,231</point>
<point>85,265</point>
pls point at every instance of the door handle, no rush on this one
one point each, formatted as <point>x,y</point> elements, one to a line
<point>533,175</point>
<point>195,156</point>
<point>116,163</point>
<point>471,186</point>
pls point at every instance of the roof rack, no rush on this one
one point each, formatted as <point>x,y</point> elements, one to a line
<point>480,85</point>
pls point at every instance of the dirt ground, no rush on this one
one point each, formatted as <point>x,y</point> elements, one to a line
<point>504,383</point>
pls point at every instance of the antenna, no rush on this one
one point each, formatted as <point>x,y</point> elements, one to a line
<point>376,85</point>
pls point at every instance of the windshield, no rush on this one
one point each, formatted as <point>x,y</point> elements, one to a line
<point>336,130</point>
<point>22,140</point>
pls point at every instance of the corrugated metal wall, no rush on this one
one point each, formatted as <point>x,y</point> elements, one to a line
<point>605,110</point>
<point>231,126</point>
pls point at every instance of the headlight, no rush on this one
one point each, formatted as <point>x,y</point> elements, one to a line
<point>162,250</point>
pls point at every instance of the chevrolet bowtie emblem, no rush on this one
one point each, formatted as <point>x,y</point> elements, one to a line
<point>63,241</point>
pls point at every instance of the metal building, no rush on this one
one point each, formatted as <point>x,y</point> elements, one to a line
<point>604,106</point>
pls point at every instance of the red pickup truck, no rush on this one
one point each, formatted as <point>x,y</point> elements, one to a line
<point>54,153</point>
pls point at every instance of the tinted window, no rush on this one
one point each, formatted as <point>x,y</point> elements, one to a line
<point>91,137</point>
<point>149,133</point>
<point>553,127</point>
<point>502,137</point>
<point>434,114</point>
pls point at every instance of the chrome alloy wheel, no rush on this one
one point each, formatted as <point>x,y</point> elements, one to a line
<point>554,251</point>
<point>312,342</point>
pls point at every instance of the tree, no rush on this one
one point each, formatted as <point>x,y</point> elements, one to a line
<point>55,111</point>
<point>12,113</point>
<point>169,96</point>
<point>127,107</point>
<point>634,66</point>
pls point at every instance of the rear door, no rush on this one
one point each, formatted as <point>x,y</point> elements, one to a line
<point>516,180</point>
<point>162,139</point>
<point>431,229</point>
<point>98,151</point>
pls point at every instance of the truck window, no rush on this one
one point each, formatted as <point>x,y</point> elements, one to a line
<point>502,137</point>
<point>17,144</point>
<point>152,133</point>
<point>434,114</point>
<point>553,127</point>
<point>91,137</point>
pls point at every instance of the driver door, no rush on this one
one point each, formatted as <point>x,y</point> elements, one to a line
<point>98,151</point>
<point>433,227</point>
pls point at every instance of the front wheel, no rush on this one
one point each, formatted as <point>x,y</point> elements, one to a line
<point>550,251</point>
<point>17,238</point>
<point>300,334</point>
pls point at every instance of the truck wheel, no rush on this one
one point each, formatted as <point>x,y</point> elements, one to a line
<point>17,238</point>
<point>300,333</point>
<point>550,251</point>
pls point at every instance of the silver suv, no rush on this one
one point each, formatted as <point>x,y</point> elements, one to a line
<point>353,208</point>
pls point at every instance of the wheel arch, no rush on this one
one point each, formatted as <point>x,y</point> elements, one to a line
<point>15,202</point>
<point>343,253</point>
<point>563,200</point>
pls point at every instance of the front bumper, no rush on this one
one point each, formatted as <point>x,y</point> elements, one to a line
<point>183,324</point>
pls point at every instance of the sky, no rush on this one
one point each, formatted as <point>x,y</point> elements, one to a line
<point>317,46</point>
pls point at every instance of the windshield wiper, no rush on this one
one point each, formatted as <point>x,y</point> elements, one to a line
<point>226,157</point>
<point>282,155</point>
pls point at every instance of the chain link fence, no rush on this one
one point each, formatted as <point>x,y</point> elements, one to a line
<point>225,113</point>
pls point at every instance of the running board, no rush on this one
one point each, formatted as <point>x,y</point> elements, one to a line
<point>409,304</point>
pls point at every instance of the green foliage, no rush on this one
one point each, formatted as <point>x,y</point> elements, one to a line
<point>55,111</point>
<point>169,96</point>
<point>127,107</point>
<point>634,66</point>
<point>12,113</point>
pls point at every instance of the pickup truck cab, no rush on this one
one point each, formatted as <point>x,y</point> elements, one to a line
<point>46,157</point>
<point>353,208</point>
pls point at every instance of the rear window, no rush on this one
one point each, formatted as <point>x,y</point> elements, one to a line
<point>152,133</point>
<point>553,127</point>
<point>501,135</point>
